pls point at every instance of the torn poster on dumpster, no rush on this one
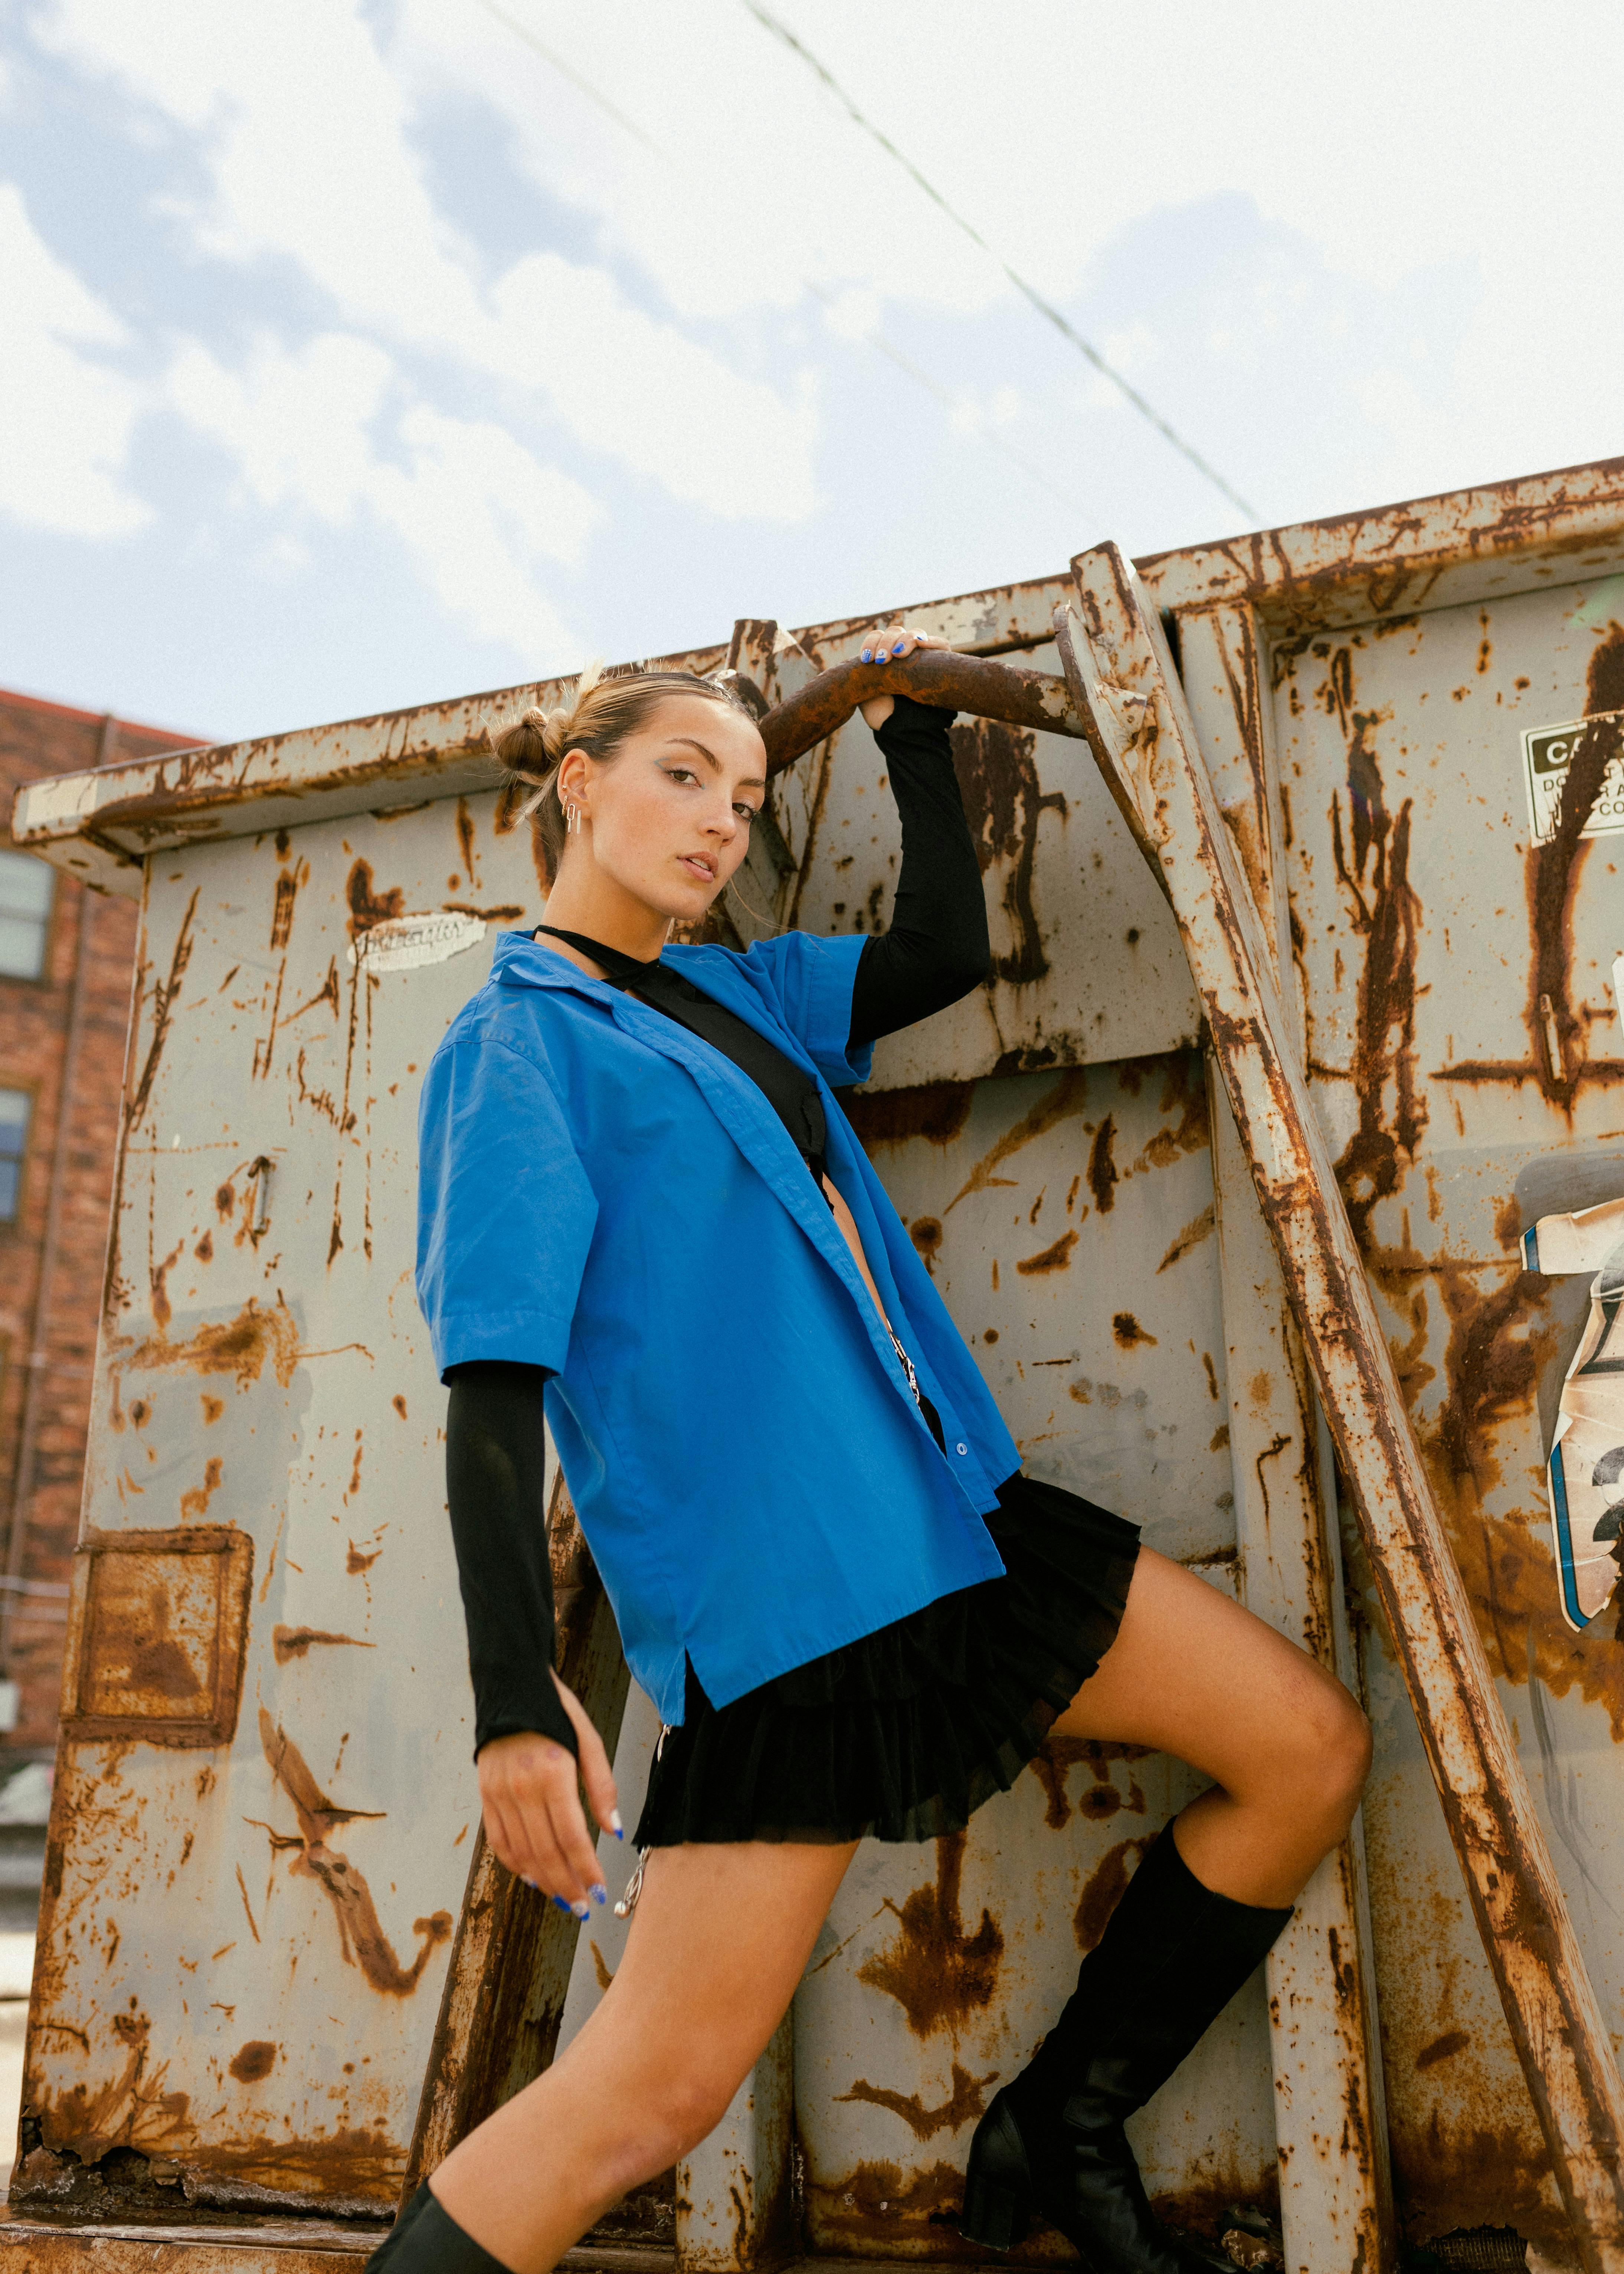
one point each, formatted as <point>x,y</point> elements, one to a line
<point>1585,1474</point>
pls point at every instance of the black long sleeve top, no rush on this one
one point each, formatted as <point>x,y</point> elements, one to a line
<point>934,952</point>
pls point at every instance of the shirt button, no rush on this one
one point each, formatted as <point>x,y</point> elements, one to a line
<point>961,1449</point>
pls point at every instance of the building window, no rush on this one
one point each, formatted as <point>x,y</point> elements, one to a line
<point>14,1105</point>
<point>25,909</point>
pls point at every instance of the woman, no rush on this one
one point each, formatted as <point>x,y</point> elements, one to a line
<point>643,1209</point>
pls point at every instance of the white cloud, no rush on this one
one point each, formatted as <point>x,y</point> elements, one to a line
<point>297,425</point>
<point>632,387</point>
<point>474,509</point>
<point>65,418</point>
<point>355,217</point>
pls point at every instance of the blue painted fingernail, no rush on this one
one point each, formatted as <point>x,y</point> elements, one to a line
<point>530,1883</point>
<point>579,1910</point>
<point>867,655</point>
<point>559,1903</point>
<point>600,1895</point>
<point>897,648</point>
<point>615,1826</point>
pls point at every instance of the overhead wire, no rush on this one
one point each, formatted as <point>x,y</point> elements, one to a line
<point>870,336</point>
<point>1044,306</point>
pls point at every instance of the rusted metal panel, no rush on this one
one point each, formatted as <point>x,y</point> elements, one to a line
<point>118,815</point>
<point>156,1636</point>
<point>242,1944</point>
<point>1087,963</point>
<point>735,2209</point>
<point>1067,1219</point>
<point>1467,546</point>
<point>311,2247</point>
<point>260,1311</point>
<point>1117,661</point>
<point>1458,1107</point>
<point>1335,2195</point>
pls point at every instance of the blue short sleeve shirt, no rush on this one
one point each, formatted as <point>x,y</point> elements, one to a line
<point>605,1195</point>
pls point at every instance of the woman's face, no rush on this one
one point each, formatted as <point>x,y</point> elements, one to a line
<point>668,817</point>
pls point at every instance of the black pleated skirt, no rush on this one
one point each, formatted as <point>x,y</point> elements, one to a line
<point>903,1734</point>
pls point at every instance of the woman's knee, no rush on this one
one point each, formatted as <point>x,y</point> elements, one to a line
<point>673,2113</point>
<point>1326,1747</point>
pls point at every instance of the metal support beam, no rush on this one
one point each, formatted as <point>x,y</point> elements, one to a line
<point>734,2210</point>
<point>1335,2192</point>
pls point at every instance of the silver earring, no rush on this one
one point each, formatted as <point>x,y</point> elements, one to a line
<point>572,819</point>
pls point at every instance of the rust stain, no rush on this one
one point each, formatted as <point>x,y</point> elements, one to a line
<point>328,993</point>
<point>282,912</point>
<point>1452,2041</point>
<point>1128,1333</point>
<point>504,911</point>
<point>925,1232</point>
<point>212,1408</point>
<point>600,1967</point>
<point>251,2063</point>
<point>1068,1097</point>
<point>239,1346</point>
<point>165,995</point>
<point>935,1111</point>
<point>194,1504</point>
<point>1555,1031</point>
<point>1005,803</point>
<point>368,906</point>
<point>1451,2173</point>
<point>399,1403</point>
<point>963,2106</point>
<point>881,2198</point>
<point>938,1974</point>
<point>361,1937</point>
<point>1104,1889</point>
<point>205,1249</point>
<point>158,1277</point>
<point>358,1560</point>
<point>131,2110</point>
<point>247,1906</point>
<point>1193,1234</point>
<point>1056,1257</point>
<point>1372,866</point>
<point>465,839</point>
<point>1102,1177</point>
<point>1061,1754</point>
<point>294,1642</point>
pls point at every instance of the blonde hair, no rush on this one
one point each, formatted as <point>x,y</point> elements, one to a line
<point>599,715</point>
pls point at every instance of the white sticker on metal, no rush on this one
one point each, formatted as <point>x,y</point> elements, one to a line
<point>407,943</point>
<point>1547,753</point>
<point>1585,1474</point>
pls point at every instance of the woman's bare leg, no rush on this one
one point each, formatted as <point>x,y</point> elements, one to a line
<point>1193,1674</point>
<point>720,1939</point>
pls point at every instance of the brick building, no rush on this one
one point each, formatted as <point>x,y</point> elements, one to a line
<point>65,969</point>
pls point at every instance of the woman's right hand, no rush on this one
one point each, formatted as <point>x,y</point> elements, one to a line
<point>530,1789</point>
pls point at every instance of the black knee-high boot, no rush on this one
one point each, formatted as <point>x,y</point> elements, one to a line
<point>1172,1955</point>
<point>426,2240</point>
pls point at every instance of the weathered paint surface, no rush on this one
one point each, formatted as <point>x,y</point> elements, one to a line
<point>1428,930</point>
<point>1116,662</point>
<point>243,1942</point>
<point>1089,975</point>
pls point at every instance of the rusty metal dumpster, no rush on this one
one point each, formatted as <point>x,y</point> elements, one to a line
<point>261,1994</point>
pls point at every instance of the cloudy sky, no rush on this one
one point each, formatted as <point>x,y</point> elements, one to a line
<point>357,352</point>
